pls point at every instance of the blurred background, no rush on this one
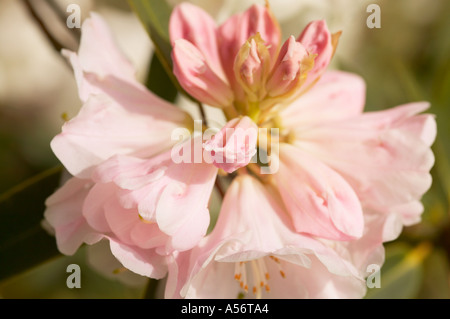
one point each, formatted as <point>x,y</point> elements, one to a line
<point>406,60</point>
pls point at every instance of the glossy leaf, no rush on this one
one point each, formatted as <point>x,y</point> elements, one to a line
<point>23,241</point>
<point>159,82</point>
<point>155,15</point>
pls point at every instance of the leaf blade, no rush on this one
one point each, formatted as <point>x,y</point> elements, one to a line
<point>23,241</point>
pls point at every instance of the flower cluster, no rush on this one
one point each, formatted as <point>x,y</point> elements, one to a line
<point>303,224</point>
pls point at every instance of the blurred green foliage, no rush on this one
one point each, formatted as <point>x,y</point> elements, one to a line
<point>406,60</point>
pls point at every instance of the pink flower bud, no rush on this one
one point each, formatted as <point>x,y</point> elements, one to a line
<point>197,77</point>
<point>234,146</point>
<point>291,67</point>
<point>252,66</point>
<point>318,40</point>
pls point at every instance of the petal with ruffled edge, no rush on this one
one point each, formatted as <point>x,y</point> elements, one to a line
<point>196,26</point>
<point>144,262</point>
<point>99,54</point>
<point>319,201</point>
<point>64,214</point>
<point>104,128</point>
<point>253,234</point>
<point>384,155</point>
<point>337,95</point>
<point>317,39</point>
<point>174,196</point>
<point>100,258</point>
<point>197,77</point>
<point>236,30</point>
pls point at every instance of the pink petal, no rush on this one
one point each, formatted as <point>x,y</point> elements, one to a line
<point>248,210</point>
<point>337,95</point>
<point>316,38</point>
<point>384,155</point>
<point>288,68</point>
<point>251,227</point>
<point>234,32</point>
<point>234,145</point>
<point>191,189</point>
<point>104,128</point>
<point>141,261</point>
<point>64,214</point>
<point>197,77</point>
<point>100,258</point>
<point>315,282</point>
<point>193,24</point>
<point>320,202</point>
<point>93,206</point>
<point>175,196</point>
<point>98,54</point>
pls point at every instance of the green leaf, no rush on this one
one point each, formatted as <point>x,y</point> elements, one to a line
<point>159,82</point>
<point>435,283</point>
<point>155,15</point>
<point>402,272</point>
<point>23,241</point>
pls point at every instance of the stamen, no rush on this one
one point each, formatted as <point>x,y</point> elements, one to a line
<point>260,274</point>
<point>256,279</point>
<point>237,272</point>
<point>119,270</point>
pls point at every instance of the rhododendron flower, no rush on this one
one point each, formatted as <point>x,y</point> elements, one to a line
<point>348,178</point>
<point>254,248</point>
<point>240,61</point>
<point>341,182</point>
<point>118,148</point>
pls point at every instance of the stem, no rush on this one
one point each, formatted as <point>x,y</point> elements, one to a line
<point>150,290</point>
<point>27,183</point>
<point>62,17</point>
<point>230,112</point>
<point>202,113</point>
<point>219,187</point>
<point>53,41</point>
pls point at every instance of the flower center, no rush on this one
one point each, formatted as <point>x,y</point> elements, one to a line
<point>258,272</point>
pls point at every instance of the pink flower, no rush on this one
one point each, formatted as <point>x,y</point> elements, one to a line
<point>234,146</point>
<point>346,178</point>
<point>119,115</point>
<point>126,187</point>
<point>240,60</point>
<point>380,159</point>
<point>341,182</point>
<point>254,250</point>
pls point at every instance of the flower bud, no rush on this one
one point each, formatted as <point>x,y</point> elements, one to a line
<point>252,66</point>
<point>197,77</point>
<point>290,69</point>
<point>234,146</point>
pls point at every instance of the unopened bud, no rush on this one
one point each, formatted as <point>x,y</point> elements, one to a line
<point>290,69</point>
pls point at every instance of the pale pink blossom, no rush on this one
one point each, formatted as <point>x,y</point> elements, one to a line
<point>234,145</point>
<point>342,182</point>
<point>382,158</point>
<point>119,116</point>
<point>125,187</point>
<point>255,251</point>
<point>240,60</point>
<point>350,180</point>
<point>218,49</point>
